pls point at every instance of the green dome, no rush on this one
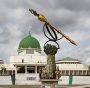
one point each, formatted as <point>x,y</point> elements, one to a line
<point>29,42</point>
<point>69,59</point>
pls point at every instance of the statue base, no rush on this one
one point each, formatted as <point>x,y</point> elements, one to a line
<point>49,83</point>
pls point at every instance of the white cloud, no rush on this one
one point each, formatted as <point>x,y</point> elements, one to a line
<point>17,13</point>
<point>16,21</point>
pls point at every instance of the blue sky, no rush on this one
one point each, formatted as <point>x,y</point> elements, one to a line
<point>71,16</point>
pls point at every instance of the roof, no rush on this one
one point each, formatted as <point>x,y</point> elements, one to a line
<point>69,59</point>
<point>29,42</point>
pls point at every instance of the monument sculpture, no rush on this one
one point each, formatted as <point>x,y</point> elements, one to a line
<point>50,74</point>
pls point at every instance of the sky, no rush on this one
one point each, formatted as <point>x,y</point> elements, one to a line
<point>70,16</point>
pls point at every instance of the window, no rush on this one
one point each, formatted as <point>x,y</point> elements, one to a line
<point>88,73</point>
<point>67,72</point>
<point>63,72</point>
<point>89,67</point>
<point>20,69</point>
<point>30,69</point>
<point>9,72</point>
<point>71,72</point>
<point>22,60</point>
<point>75,72</point>
<point>80,72</point>
<point>84,72</point>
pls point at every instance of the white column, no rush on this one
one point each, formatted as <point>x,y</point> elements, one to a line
<point>78,72</point>
<point>35,69</point>
<point>25,69</point>
<point>82,72</point>
<point>65,72</point>
<point>16,70</point>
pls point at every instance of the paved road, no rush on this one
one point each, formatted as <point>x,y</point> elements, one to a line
<point>24,86</point>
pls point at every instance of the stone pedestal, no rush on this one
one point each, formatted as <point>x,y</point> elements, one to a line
<point>49,83</point>
<point>49,76</point>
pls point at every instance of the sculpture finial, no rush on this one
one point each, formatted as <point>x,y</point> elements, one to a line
<point>49,25</point>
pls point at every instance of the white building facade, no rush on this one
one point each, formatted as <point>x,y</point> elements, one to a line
<point>24,67</point>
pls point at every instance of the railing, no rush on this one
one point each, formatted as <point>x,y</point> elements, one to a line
<point>6,73</point>
<point>75,72</point>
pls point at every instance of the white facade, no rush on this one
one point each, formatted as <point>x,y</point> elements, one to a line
<point>26,64</point>
<point>38,60</point>
<point>36,57</point>
<point>5,80</point>
<point>74,66</point>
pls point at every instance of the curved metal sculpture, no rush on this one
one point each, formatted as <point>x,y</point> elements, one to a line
<point>50,72</point>
<point>49,27</point>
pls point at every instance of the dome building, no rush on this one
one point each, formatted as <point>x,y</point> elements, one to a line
<point>71,66</point>
<point>24,67</point>
<point>28,45</point>
<point>28,61</point>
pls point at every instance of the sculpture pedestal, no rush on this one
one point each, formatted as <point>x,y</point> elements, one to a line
<point>49,76</point>
<point>49,83</point>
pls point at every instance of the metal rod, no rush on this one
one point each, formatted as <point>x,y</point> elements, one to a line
<point>43,19</point>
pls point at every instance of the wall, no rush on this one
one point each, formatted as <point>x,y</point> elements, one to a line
<point>28,59</point>
<point>76,80</point>
<point>24,80</point>
<point>5,80</point>
<point>27,79</point>
<point>81,80</point>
